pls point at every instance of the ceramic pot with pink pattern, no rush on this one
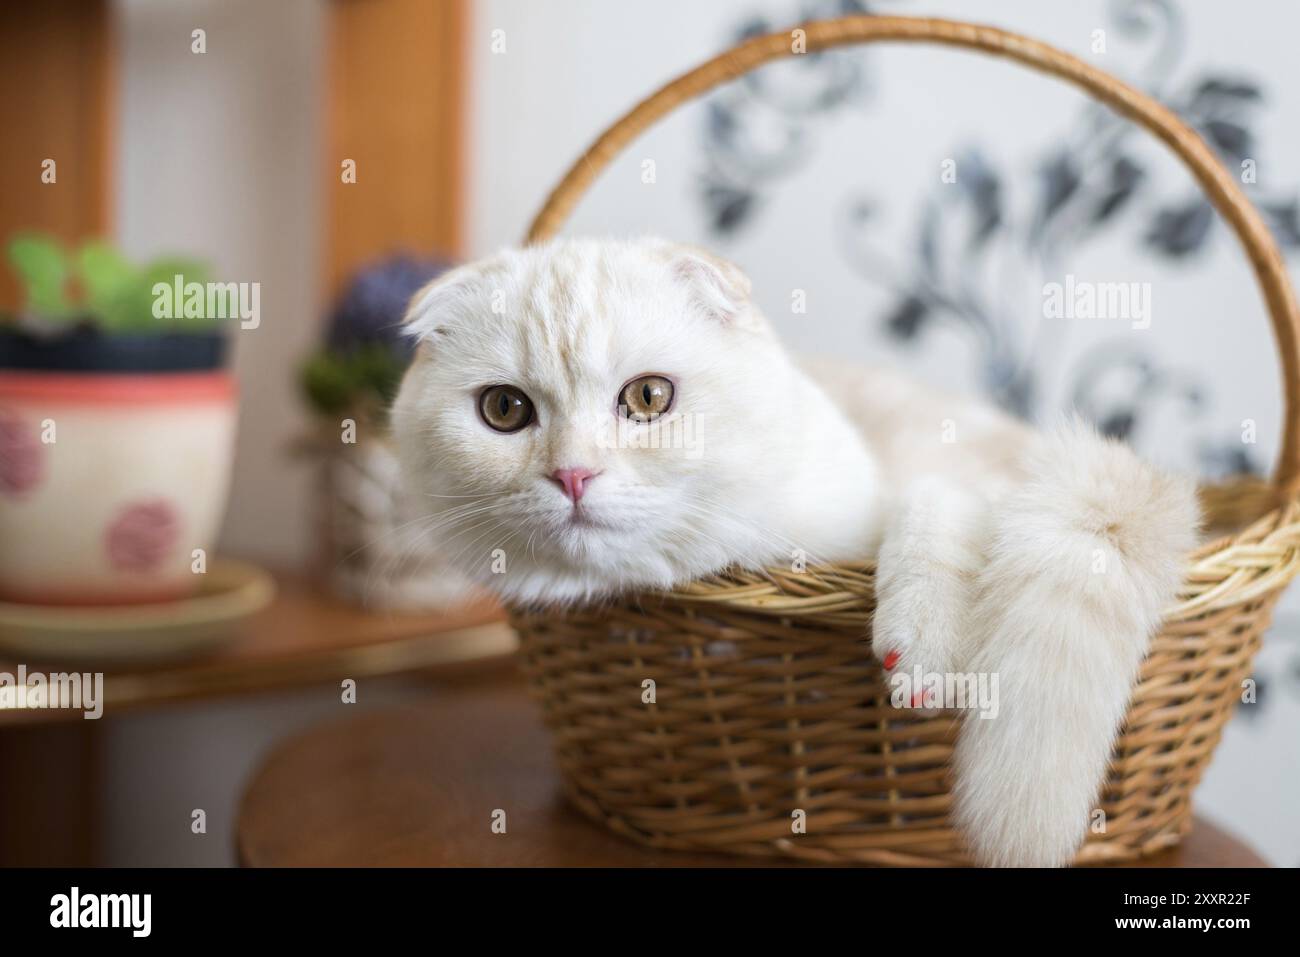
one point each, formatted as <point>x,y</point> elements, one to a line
<point>115,456</point>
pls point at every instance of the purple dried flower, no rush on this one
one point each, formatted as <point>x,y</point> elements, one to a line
<point>371,307</point>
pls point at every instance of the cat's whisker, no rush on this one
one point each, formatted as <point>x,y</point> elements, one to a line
<point>416,539</point>
<point>492,527</point>
<point>417,532</point>
<point>715,510</point>
<point>811,559</point>
<point>775,540</point>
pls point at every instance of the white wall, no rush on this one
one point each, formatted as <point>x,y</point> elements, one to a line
<point>218,157</point>
<point>572,66</point>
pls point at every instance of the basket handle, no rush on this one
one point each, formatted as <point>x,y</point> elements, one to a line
<point>1219,185</point>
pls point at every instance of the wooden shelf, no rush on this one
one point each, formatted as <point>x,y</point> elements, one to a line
<point>304,637</point>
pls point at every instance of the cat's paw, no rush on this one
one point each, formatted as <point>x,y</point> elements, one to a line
<point>925,585</point>
<point>916,632</point>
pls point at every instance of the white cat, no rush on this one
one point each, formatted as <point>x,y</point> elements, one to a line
<point>604,416</point>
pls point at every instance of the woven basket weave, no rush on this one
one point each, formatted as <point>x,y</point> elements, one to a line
<point>767,699</point>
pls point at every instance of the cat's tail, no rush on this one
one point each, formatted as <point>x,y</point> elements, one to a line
<point>1086,554</point>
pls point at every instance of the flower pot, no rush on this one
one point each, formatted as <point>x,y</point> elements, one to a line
<point>115,455</point>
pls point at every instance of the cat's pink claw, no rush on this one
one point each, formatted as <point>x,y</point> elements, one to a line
<point>891,659</point>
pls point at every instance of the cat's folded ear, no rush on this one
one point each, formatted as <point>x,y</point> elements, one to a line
<point>719,287</point>
<point>434,306</point>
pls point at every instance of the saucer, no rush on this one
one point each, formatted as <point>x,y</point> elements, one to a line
<point>229,592</point>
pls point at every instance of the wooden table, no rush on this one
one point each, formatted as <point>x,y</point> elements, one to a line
<point>419,786</point>
<point>304,637</point>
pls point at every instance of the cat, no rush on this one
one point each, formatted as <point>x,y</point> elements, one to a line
<point>606,416</point>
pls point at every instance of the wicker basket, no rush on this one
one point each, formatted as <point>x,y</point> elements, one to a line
<point>767,698</point>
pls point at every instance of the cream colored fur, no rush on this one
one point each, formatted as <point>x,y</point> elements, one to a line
<point>741,471</point>
<point>1044,559</point>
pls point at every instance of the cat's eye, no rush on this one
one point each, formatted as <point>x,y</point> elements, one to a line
<point>505,408</point>
<point>646,398</point>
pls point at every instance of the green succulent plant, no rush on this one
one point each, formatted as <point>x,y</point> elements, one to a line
<point>359,367</point>
<point>96,282</point>
<point>363,380</point>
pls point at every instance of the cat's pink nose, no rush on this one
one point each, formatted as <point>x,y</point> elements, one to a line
<point>573,481</point>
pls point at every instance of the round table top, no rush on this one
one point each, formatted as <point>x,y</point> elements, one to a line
<point>419,787</point>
